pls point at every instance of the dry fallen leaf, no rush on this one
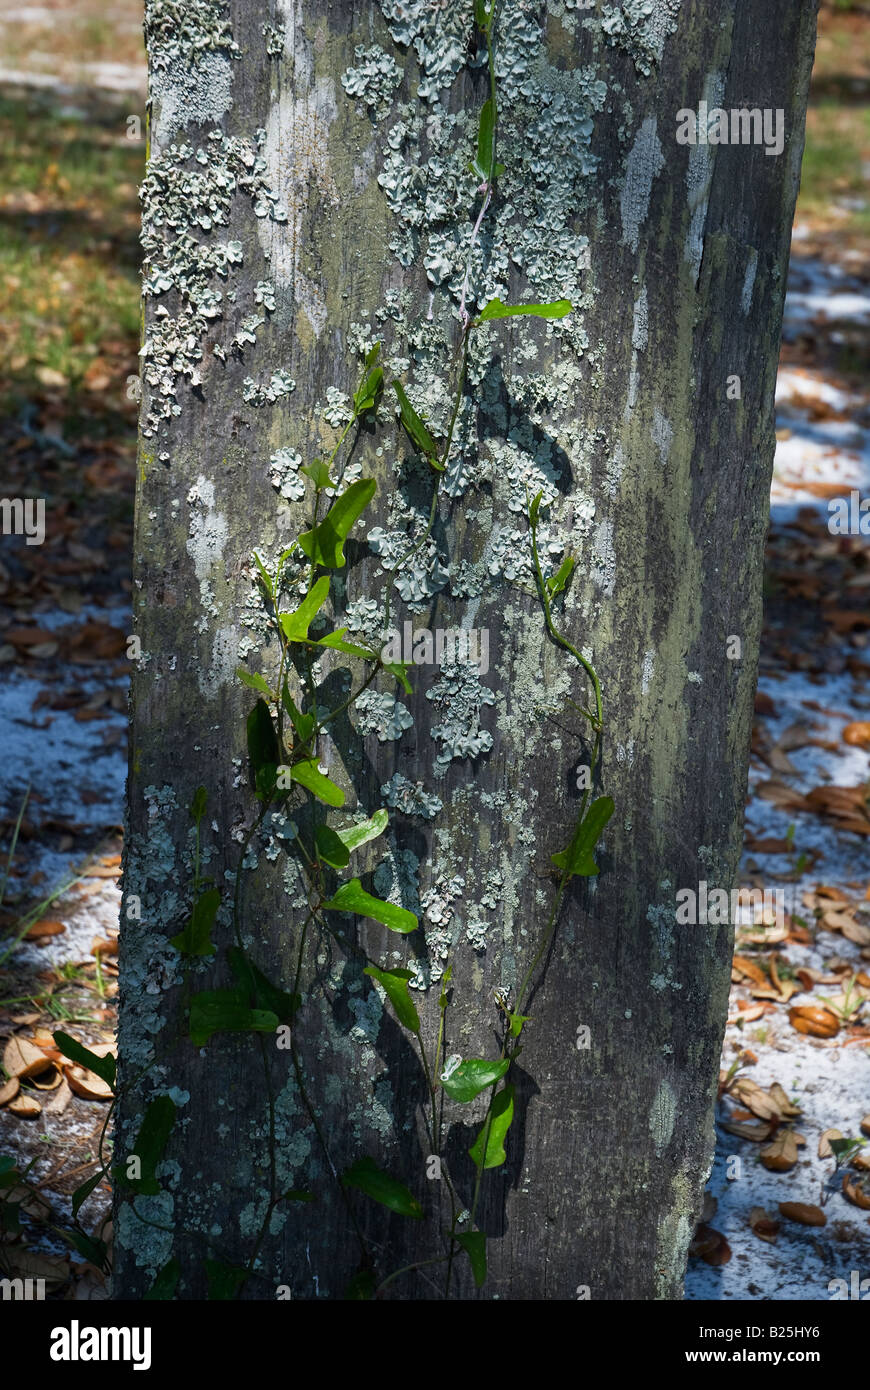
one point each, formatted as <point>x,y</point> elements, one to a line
<point>857,734</point>
<point>803,1212</point>
<point>744,968</point>
<point>786,1108</point>
<point>748,1012</point>
<point>825,1150</point>
<point>765,1227</point>
<point>60,1099</point>
<point>815,1021</point>
<point>781,1154</point>
<point>757,1133</point>
<point>87,1084</point>
<point>750,1094</point>
<point>22,1059</point>
<point>44,929</point>
<point>47,1080</point>
<point>710,1246</point>
<point>9,1090</point>
<point>865,1126</point>
<point>27,1106</point>
<point>857,1191</point>
<point>21,1263</point>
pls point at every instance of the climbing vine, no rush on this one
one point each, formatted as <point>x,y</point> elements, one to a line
<point>291,787</point>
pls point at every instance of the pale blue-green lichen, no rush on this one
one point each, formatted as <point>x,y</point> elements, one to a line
<point>275,38</point>
<point>640,27</point>
<point>382,714</point>
<point>411,798</point>
<point>373,79</point>
<point>459,696</point>
<point>187,194</point>
<point>284,475</point>
<point>280,384</point>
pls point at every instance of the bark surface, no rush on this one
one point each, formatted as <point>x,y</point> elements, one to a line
<point>656,478</point>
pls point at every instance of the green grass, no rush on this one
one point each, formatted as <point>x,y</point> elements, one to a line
<point>69,286</point>
<point>837,149</point>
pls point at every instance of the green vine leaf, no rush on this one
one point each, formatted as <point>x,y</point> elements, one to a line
<point>262,738</point>
<point>325,544</point>
<point>264,575</point>
<point>483,14</point>
<point>165,1283</point>
<point>473,1076</point>
<point>366,397</point>
<point>474,1245</point>
<point>443,1000</point>
<point>495,309</point>
<point>94,1250</point>
<point>267,997</point>
<point>253,681</point>
<point>559,581</point>
<point>417,431</point>
<point>226,1011</point>
<point>337,642</point>
<point>330,848</point>
<point>318,472</point>
<point>367,1177</point>
<point>482,166</point>
<point>223,1280</point>
<point>395,982</point>
<point>296,625</point>
<point>577,859</point>
<point>352,897</point>
<point>361,1286</point>
<point>356,835</point>
<point>501,1115</point>
<point>104,1067</point>
<point>198,804</point>
<point>368,394</point>
<point>400,669</point>
<point>196,940</point>
<point>308,775</point>
<point>81,1194</point>
<point>302,723</point>
<point>148,1147</point>
<point>516,1022</point>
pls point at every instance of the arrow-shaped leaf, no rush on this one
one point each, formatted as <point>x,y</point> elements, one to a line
<point>500,1116</point>
<point>253,680</point>
<point>473,1076</point>
<point>559,581</point>
<point>296,624</point>
<point>262,739</point>
<point>196,940</point>
<point>308,775</point>
<point>417,431</point>
<point>577,859</point>
<point>395,982</point>
<point>266,996</point>
<point>226,1011</point>
<point>148,1147</point>
<point>325,544</point>
<point>474,1245</point>
<point>355,835</point>
<point>495,309</point>
<point>330,848</point>
<point>367,1177</point>
<point>352,897</point>
<point>103,1067</point>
